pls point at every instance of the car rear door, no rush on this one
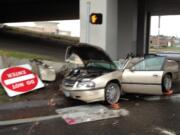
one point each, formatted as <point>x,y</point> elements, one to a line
<point>144,77</point>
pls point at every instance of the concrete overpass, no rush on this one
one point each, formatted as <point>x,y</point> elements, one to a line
<point>38,10</point>
<point>125,27</point>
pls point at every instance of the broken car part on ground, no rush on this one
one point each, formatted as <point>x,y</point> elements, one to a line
<point>18,78</point>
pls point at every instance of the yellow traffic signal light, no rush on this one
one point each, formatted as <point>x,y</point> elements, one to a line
<point>96,18</point>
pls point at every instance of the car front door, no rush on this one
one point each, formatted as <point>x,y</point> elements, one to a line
<point>144,77</point>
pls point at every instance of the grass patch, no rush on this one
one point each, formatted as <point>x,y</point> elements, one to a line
<point>23,55</point>
<point>2,91</point>
<point>165,49</point>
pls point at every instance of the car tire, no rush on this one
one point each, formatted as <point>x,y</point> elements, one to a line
<point>167,83</point>
<point>112,93</point>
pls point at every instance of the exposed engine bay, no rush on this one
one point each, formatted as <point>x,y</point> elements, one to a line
<point>83,73</point>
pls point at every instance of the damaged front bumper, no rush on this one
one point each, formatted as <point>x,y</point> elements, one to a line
<point>88,96</point>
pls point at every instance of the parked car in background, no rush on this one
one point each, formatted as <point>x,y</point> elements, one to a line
<point>100,79</point>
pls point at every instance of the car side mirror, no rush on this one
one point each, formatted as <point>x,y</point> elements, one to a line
<point>132,69</point>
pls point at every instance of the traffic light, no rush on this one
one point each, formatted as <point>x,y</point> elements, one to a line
<point>96,18</point>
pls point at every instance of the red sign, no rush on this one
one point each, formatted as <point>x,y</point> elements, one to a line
<point>18,80</point>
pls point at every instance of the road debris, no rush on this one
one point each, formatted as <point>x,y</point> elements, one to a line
<point>168,93</point>
<point>116,106</point>
<point>14,128</point>
<point>137,104</point>
<point>115,123</point>
<point>46,72</point>
<point>52,102</point>
<point>87,113</point>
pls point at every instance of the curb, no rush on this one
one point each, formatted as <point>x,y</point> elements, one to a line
<point>29,104</point>
<point>28,120</point>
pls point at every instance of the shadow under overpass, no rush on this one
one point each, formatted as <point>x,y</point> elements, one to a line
<point>38,10</point>
<point>54,49</point>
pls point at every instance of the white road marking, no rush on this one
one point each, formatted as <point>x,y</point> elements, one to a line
<point>165,131</point>
<point>28,120</point>
<point>156,98</point>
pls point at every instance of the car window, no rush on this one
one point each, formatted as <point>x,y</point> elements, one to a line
<point>150,64</point>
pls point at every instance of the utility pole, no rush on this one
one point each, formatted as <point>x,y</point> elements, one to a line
<point>159,28</point>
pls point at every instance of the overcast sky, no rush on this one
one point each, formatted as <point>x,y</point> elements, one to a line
<point>170,25</point>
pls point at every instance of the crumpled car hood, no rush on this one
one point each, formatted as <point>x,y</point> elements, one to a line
<point>87,53</point>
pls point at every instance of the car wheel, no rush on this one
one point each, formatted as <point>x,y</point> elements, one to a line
<point>167,83</point>
<point>112,93</point>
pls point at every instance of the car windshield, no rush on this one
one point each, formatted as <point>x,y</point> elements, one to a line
<point>121,63</point>
<point>101,64</point>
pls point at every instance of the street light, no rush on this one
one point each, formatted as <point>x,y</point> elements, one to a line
<point>159,28</point>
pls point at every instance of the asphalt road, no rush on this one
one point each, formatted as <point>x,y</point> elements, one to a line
<point>148,115</point>
<point>154,117</point>
<point>55,50</point>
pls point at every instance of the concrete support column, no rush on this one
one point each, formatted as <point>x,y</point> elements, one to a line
<point>127,27</point>
<point>104,35</point>
<point>142,30</point>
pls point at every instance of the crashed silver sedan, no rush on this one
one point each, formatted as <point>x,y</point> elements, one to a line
<point>100,79</point>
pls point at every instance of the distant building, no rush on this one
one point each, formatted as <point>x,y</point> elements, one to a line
<point>162,41</point>
<point>46,27</point>
<point>65,33</point>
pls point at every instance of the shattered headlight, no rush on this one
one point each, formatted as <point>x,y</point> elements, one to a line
<point>86,84</point>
